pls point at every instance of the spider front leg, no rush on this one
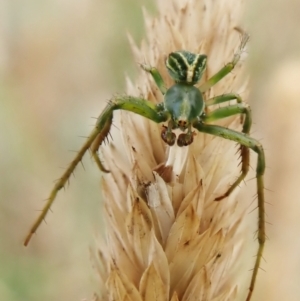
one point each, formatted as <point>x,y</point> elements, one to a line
<point>239,108</point>
<point>246,142</point>
<point>139,106</point>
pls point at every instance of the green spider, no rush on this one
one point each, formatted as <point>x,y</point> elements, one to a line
<point>184,108</point>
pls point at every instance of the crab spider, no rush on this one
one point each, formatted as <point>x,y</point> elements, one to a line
<point>183,108</point>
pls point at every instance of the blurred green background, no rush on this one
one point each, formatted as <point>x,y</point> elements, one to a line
<point>60,61</point>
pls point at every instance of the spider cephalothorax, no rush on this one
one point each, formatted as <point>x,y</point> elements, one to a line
<point>182,108</point>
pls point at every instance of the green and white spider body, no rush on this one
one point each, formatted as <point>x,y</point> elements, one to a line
<point>183,108</point>
<point>183,101</point>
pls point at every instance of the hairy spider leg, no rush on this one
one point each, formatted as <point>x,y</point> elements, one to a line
<point>156,77</point>
<point>231,110</point>
<point>228,67</point>
<point>247,142</point>
<point>223,98</point>
<point>137,105</point>
<point>61,183</point>
<point>223,112</point>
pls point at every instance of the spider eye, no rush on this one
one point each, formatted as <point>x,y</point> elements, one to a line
<point>186,67</point>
